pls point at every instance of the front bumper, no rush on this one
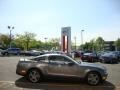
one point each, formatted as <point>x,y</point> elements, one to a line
<point>21,71</point>
<point>104,77</point>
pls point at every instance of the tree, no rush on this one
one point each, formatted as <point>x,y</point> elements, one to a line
<point>117,44</point>
<point>54,44</point>
<point>86,46</point>
<point>5,40</point>
<point>99,43</point>
<point>24,40</point>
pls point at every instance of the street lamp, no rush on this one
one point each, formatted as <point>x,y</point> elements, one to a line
<point>45,39</point>
<point>10,28</point>
<point>45,43</point>
<point>82,39</point>
<point>75,43</point>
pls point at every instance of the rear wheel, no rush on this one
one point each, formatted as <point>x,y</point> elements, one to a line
<point>34,75</point>
<point>6,53</point>
<point>93,78</point>
<point>111,61</point>
<point>102,61</point>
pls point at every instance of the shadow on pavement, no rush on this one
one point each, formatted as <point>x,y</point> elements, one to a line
<point>64,84</point>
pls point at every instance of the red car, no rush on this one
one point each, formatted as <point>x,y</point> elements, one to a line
<point>90,57</point>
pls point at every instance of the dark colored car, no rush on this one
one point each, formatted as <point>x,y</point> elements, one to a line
<point>1,52</point>
<point>58,65</point>
<point>33,53</point>
<point>13,51</point>
<point>77,53</point>
<point>117,54</point>
<point>90,57</point>
<point>109,58</point>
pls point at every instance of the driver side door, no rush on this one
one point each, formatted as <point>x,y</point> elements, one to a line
<point>61,66</point>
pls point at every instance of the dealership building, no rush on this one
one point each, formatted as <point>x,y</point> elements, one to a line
<point>109,46</point>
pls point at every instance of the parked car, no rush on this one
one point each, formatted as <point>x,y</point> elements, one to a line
<point>77,54</point>
<point>109,57</point>
<point>33,53</point>
<point>90,57</point>
<point>1,52</point>
<point>100,53</point>
<point>58,52</point>
<point>117,54</point>
<point>58,65</point>
<point>13,51</point>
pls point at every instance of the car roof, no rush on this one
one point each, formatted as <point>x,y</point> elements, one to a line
<point>51,54</point>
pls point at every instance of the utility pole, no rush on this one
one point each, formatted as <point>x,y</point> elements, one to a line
<point>75,43</point>
<point>10,28</point>
<point>82,39</point>
<point>45,43</point>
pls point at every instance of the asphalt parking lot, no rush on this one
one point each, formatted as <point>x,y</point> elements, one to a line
<point>10,81</point>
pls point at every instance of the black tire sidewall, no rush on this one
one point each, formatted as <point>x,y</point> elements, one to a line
<point>93,73</point>
<point>38,72</point>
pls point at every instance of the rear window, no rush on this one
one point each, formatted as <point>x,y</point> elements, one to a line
<point>42,58</point>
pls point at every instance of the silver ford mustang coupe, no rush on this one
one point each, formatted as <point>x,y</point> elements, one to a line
<point>42,66</point>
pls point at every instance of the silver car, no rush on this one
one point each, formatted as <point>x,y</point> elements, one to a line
<point>46,65</point>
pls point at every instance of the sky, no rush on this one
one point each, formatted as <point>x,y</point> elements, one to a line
<point>45,18</point>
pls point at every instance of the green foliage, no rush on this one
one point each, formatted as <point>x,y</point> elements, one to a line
<point>53,44</point>
<point>5,40</point>
<point>24,40</point>
<point>99,43</point>
<point>27,41</point>
<point>117,43</point>
<point>94,45</point>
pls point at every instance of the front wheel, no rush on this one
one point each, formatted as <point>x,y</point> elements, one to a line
<point>93,78</point>
<point>34,75</point>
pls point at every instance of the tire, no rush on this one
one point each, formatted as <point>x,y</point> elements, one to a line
<point>34,75</point>
<point>92,60</point>
<point>6,54</point>
<point>18,53</point>
<point>93,78</point>
<point>102,61</point>
<point>111,61</point>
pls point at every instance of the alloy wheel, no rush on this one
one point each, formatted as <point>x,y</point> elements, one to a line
<point>93,78</point>
<point>34,75</point>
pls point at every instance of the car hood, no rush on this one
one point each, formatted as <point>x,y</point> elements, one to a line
<point>94,65</point>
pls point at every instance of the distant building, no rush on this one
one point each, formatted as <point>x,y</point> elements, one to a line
<point>109,46</point>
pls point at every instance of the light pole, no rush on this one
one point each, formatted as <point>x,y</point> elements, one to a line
<point>82,39</point>
<point>75,43</point>
<point>45,43</point>
<point>10,28</point>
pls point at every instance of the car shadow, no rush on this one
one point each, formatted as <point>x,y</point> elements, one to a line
<point>62,84</point>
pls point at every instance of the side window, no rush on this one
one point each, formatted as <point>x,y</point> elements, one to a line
<point>58,59</point>
<point>52,59</point>
<point>42,59</point>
